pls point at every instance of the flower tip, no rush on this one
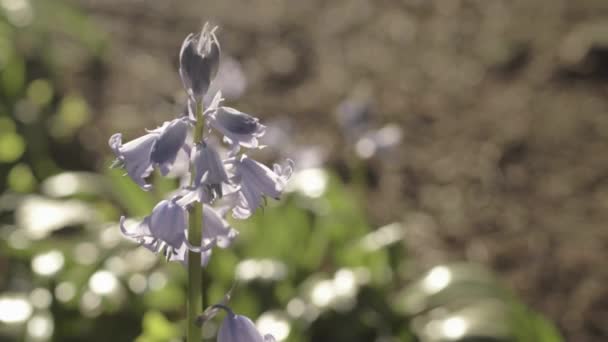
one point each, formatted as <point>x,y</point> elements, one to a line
<point>269,338</point>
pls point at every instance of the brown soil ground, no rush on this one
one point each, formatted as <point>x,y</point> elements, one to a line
<point>503,105</point>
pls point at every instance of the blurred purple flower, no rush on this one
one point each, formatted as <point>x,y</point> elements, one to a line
<point>354,117</point>
<point>379,142</point>
<point>230,80</point>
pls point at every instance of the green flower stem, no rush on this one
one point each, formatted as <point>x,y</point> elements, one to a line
<point>195,233</point>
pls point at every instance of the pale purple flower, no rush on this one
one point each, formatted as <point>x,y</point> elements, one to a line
<point>199,61</point>
<point>135,156</point>
<point>256,181</point>
<point>160,147</point>
<point>239,328</point>
<point>209,168</point>
<point>230,80</point>
<point>216,229</point>
<point>166,225</point>
<point>237,127</point>
<point>216,232</point>
<point>171,138</point>
<point>354,117</point>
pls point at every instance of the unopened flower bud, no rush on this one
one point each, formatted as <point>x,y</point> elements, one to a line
<point>199,61</point>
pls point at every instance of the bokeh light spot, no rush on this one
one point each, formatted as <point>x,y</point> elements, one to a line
<point>49,263</point>
<point>12,147</point>
<point>274,324</point>
<point>103,282</point>
<point>437,279</point>
<point>14,310</point>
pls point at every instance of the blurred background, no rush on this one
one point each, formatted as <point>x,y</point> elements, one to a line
<point>451,184</point>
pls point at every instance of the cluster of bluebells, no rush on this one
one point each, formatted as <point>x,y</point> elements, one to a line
<point>223,178</point>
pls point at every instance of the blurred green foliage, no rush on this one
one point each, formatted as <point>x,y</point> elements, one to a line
<point>309,268</point>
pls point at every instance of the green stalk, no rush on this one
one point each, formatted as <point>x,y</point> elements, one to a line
<point>195,233</point>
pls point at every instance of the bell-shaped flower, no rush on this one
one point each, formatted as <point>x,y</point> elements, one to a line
<point>171,138</point>
<point>216,232</point>
<point>238,328</point>
<point>135,156</point>
<point>216,229</point>
<point>199,60</point>
<point>209,168</point>
<point>237,127</point>
<point>165,226</point>
<point>256,180</point>
<point>160,147</point>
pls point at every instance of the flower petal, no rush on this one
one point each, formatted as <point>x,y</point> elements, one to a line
<point>168,223</point>
<point>216,228</point>
<point>199,61</point>
<point>168,144</point>
<point>135,156</point>
<point>238,328</point>
<point>207,161</point>
<point>237,127</point>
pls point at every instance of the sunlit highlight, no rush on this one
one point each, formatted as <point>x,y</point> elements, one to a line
<point>310,182</point>
<point>41,298</point>
<point>14,310</point>
<point>40,216</point>
<point>271,323</point>
<point>138,283</point>
<point>49,263</point>
<point>437,279</point>
<point>323,293</point>
<point>345,283</point>
<point>40,327</point>
<point>383,237</point>
<point>65,291</point>
<point>454,327</point>
<point>103,282</point>
<point>264,269</point>
<point>86,253</point>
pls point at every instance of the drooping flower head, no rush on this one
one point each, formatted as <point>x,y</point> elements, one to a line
<point>158,148</point>
<point>171,138</point>
<point>209,169</point>
<point>237,127</point>
<point>256,180</point>
<point>166,226</point>
<point>134,156</point>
